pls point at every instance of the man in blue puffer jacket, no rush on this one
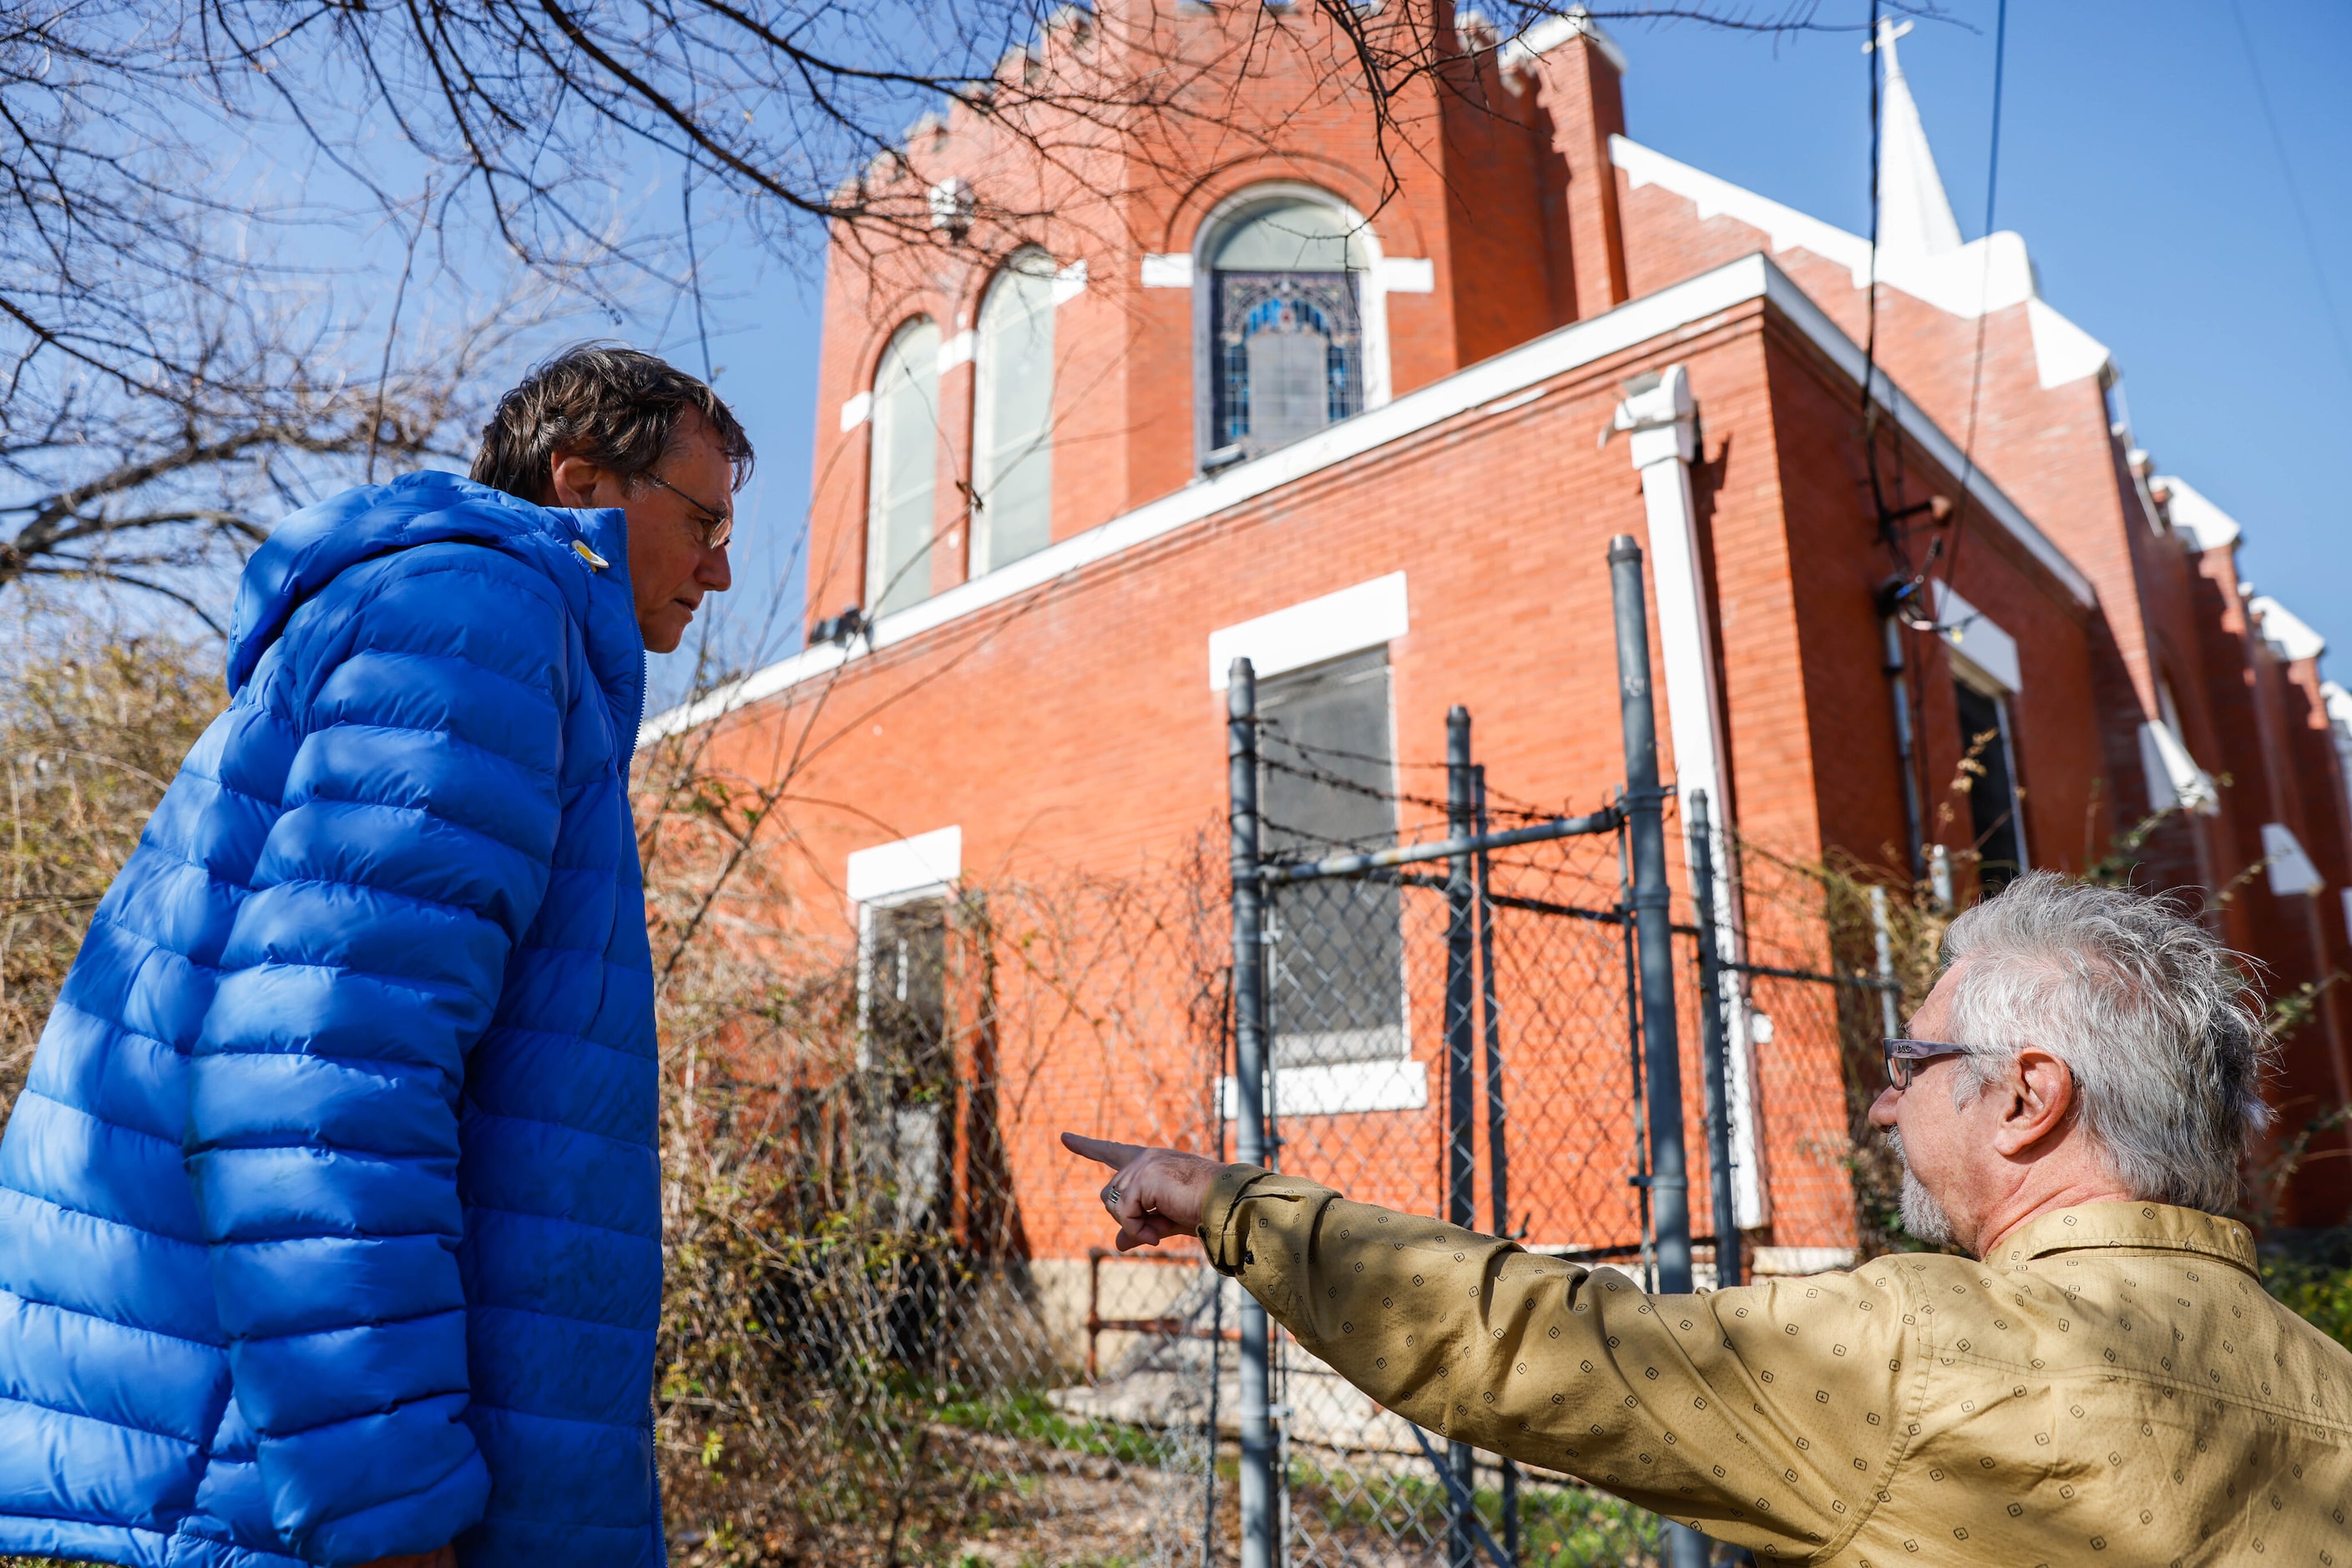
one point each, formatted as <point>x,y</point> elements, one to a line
<point>329,1221</point>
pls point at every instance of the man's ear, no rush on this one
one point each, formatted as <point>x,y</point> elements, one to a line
<point>2038,1091</point>
<point>576,481</point>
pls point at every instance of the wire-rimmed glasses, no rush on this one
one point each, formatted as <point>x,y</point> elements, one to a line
<point>718,527</point>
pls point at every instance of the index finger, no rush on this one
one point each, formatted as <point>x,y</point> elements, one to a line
<point>1118,1156</point>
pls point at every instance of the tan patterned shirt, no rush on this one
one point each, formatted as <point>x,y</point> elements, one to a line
<point>2116,1380</point>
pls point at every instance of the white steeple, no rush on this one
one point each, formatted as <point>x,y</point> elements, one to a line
<point>1915,216</point>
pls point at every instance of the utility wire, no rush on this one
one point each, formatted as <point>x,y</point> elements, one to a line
<point>1870,336</point>
<point>2293,191</point>
<point>1975,372</point>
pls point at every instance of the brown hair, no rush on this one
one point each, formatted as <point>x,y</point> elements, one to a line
<point>617,405</point>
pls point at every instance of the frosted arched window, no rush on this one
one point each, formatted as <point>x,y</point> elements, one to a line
<point>1012,435</point>
<point>898,517</point>
<point>1286,322</point>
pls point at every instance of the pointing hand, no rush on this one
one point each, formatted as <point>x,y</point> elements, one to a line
<point>1154,1194</point>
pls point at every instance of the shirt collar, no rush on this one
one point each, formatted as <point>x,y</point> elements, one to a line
<point>2156,1228</point>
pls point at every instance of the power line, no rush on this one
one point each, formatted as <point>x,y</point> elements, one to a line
<point>1975,371</point>
<point>2294,190</point>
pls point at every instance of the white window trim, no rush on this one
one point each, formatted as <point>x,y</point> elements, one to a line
<point>1372,287</point>
<point>1368,616</point>
<point>1336,1088</point>
<point>1168,270</point>
<point>922,865</point>
<point>1984,655</point>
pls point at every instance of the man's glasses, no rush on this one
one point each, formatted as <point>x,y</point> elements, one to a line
<point>1904,1057</point>
<point>717,527</point>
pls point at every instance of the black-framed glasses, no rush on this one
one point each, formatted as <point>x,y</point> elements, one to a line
<point>718,527</point>
<point>1904,1057</point>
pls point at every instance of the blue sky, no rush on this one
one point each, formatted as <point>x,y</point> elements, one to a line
<point>2135,160</point>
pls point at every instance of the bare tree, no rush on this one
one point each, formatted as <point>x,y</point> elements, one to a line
<point>161,163</point>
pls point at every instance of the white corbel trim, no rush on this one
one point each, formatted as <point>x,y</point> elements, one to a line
<point>1660,416</point>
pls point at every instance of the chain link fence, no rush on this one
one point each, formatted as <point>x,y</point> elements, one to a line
<point>892,1335</point>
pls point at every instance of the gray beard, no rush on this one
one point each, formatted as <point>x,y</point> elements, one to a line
<point>1923,1216</point>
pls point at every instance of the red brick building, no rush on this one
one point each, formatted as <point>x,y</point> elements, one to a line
<point>1263,384</point>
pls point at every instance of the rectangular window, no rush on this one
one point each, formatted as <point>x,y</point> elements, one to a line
<point>1990,766</point>
<point>902,998</point>
<point>1327,787</point>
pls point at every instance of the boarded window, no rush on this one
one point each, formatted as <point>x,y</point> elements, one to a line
<point>1014,434</point>
<point>904,991</point>
<point>1336,989</point>
<point>905,435</point>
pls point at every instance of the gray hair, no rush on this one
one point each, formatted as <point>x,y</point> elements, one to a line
<point>2154,1017</point>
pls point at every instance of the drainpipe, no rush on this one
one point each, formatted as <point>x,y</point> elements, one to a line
<point>1661,418</point>
<point>1891,612</point>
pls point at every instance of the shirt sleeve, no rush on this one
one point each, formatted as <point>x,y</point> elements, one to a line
<point>418,825</point>
<point>1768,1414</point>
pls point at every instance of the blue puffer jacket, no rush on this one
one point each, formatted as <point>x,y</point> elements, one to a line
<point>329,1219</point>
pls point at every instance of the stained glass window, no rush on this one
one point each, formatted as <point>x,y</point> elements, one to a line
<point>1286,345</point>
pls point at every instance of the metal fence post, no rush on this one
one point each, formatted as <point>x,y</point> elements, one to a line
<point>1654,935</point>
<point>1257,1487</point>
<point>1461,1173</point>
<point>1717,1045</point>
<point>1498,1155</point>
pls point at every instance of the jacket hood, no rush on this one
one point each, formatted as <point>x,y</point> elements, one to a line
<point>309,549</point>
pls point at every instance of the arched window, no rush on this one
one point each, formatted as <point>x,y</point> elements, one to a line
<point>1012,419</point>
<point>1286,325</point>
<point>899,515</point>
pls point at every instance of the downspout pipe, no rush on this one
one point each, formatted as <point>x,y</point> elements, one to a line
<point>1661,418</point>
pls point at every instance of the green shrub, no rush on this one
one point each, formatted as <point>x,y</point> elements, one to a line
<point>2311,1271</point>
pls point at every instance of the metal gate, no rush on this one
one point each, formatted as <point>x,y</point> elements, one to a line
<point>1474,1020</point>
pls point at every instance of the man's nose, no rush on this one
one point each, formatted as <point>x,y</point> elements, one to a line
<point>1881,1110</point>
<point>714,573</point>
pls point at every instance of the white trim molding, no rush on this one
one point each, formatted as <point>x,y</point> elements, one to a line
<point>2290,637</point>
<point>1661,421</point>
<point>2292,874</point>
<point>1980,276</point>
<point>1349,621</point>
<point>1408,275</point>
<point>1334,1089</point>
<point>2174,779</point>
<point>1542,37</point>
<point>1069,282</point>
<point>958,350</point>
<point>1172,271</point>
<point>2207,525</point>
<point>856,411</point>
<point>1978,642</point>
<point>1490,382</point>
<point>905,868</point>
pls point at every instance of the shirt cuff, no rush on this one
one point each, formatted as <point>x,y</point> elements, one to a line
<point>1223,1232</point>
